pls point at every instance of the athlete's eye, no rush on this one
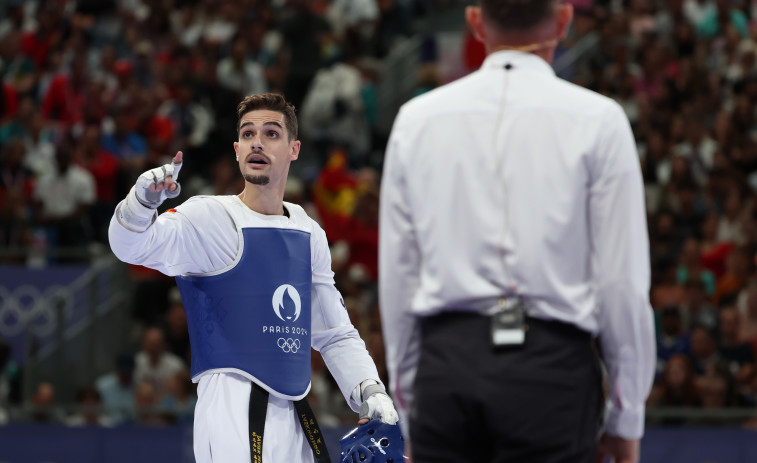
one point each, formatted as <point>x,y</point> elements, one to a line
<point>273,134</point>
<point>247,134</point>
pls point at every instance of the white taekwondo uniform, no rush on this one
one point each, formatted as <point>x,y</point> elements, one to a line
<point>202,238</point>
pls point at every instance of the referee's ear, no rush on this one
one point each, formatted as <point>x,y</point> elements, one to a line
<point>475,20</point>
<point>564,18</point>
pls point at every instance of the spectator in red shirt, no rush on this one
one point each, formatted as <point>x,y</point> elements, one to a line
<point>737,270</point>
<point>362,229</point>
<point>39,43</point>
<point>8,102</point>
<point>101,163</point>
<point>103,166</point>
<point>714,251</point>
<point>64,100</point>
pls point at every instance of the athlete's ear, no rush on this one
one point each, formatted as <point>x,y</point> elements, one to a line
<point>294,150</point>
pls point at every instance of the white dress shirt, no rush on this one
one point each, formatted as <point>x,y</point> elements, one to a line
<point>517,182</point>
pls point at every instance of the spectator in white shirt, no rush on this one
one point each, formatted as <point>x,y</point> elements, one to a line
<point>730,225</point>
<point>512,232</point>
<point>333,112</point>
<point>154,364</point>
<point>359,15</point>
<point>64,195</point>
<point>696,10</point>
<point>238,73</point>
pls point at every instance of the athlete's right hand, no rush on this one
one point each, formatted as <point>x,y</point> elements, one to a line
<point>156,185</point>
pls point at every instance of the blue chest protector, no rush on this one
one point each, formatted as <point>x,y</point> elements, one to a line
<point>255,317</point>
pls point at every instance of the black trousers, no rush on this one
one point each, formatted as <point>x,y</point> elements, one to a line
<point>535,403</point>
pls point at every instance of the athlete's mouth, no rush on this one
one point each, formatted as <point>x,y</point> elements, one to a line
<point>257,159</point>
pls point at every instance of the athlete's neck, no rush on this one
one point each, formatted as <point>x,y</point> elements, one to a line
<point>266,200</point>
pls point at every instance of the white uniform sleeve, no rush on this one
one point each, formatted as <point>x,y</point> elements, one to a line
<point>399,275</point>
<point>332,332</point>
<point>174,245</point>
<point>620,248</point>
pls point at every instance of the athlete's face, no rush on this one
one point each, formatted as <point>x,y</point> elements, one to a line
<point>263,149</point>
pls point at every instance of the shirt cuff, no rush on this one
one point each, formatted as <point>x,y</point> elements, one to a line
<point>132,215</point>
<point>628,424</point>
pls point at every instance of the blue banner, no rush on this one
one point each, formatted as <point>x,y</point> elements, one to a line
<point>28,297</point>
<point>27,443</point>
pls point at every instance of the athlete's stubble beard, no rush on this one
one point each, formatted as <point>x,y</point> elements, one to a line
<point>257,179</point>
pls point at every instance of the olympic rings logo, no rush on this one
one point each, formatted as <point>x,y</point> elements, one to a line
<point>289,345</point>
<point>26,306</point>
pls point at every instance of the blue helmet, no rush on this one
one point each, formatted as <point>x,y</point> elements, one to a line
<point>373,441</point>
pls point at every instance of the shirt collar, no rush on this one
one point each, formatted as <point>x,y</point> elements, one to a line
<point>518,60</point>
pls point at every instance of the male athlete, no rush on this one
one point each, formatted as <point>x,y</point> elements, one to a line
<point>256,281</point>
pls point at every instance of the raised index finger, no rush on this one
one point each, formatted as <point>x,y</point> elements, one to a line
<point>176,164</point>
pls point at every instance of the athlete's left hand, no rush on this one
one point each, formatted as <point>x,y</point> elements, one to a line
<point>156,185</point>
<point>377,405</point>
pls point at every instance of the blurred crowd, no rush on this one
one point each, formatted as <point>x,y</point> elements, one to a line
<point>684,72</point>
<point>151,387</point>
<point>96,92</point>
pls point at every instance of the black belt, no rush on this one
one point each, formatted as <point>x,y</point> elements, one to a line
<point>258,408</point>
<point>455,316</point>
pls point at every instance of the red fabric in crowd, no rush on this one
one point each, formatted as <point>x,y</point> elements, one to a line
<point>11,102</point>
<point>363,244</point>
<point>62,102</point>
<point>104,168</point>
<point>37,47</point>
<point>159,129</point>
<point>714,259</point>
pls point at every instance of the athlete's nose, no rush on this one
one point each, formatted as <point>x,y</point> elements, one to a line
<point>257,142</point>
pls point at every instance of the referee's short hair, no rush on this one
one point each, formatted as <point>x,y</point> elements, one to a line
<point>517,15</point>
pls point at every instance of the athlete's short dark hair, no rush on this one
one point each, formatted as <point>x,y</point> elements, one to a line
<point>517,15</point>
<point>271,102</point>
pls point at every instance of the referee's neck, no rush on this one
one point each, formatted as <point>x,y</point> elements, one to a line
<point>540,40</point>
<point>544,49</point>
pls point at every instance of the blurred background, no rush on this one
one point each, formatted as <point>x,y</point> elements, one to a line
<point>94,353</point>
